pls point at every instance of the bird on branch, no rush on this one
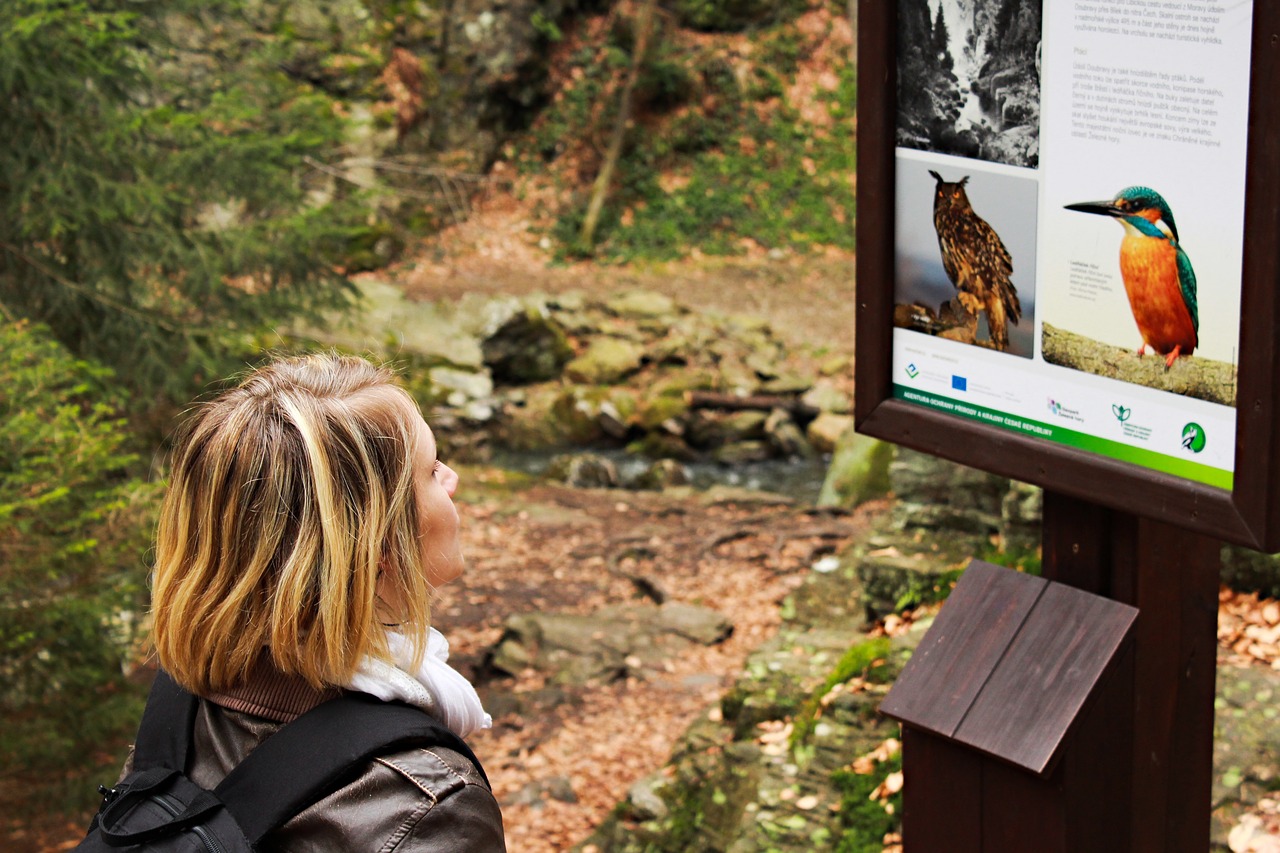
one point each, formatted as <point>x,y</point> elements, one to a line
<point>1157,274</point>
<point>976,261</point>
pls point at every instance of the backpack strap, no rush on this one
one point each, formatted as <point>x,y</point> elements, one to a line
<point>164,736</point>
<point>320,751</point>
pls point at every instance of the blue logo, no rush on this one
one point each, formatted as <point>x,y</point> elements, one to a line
<point>912,371</point>
<point>959,383</point>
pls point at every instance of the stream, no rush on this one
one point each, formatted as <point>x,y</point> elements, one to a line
<point>800,479</point>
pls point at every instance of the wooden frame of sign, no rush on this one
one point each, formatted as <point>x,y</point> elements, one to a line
<point>1249,513</point>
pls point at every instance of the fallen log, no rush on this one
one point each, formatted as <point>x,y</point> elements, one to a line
<point>757,402</point>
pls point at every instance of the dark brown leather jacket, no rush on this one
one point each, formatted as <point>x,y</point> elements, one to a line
<point>416,801</point>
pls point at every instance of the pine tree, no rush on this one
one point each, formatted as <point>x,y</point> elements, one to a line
<point>152,204</point>
<point>941,41</point>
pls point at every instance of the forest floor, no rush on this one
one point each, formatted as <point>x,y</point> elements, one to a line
<point>560,758</point>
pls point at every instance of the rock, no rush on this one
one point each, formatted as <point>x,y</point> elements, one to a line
<point>1246,570</point>
<point>825,430</point>
<point>700,624</point>
<point>584,471</point>
<point>606,360</point>
<point>834,366</point>
<point>461,386</point>
<point>785,437</point>
<point>582,415</point>
<point>859,471</point>
<point>826,397</point>
<point>643,801</point>
<point>934,494</point>
<point>605,645</point>
<point>538,791</point>
<point>641,304</point>
<point>615,416</point>
<point>662,474</point>
<point>721,494</point>
<point>572,649</point>
<point>527,347</point>
<point>418,331</point>
<point>743,426</point>
<point>665,412</point>
<point>1021,518</point>
<point>743,453</point>
<point>662,445</point>
<point>786,383</point>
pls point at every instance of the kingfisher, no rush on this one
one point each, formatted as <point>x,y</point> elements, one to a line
<point>1157,274</point>
<point>976,261</point>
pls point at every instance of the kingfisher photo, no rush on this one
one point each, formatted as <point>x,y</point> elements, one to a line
<point>966,256</point>
<point>1162,295</point>
<point>969,78</point>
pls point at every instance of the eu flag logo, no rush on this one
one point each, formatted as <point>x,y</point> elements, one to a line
<point>959,383</point>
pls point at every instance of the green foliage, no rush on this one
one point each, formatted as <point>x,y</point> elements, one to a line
<point>1021,558</point>
<point>155,200</point>
<point>73,534</point>
<point>864,822</point>
<point>717,156</point>
<point>545,26</point>
<point>868,659</point>
<point>925,589</point>
<point>734,15</point>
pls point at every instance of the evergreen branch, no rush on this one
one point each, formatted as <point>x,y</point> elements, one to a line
<point>93,295</point>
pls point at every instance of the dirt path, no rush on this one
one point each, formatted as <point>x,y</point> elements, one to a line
<point>560,757</point>
<point>807,298</point>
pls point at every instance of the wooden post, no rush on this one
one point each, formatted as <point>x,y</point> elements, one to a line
<point>1171,576</point>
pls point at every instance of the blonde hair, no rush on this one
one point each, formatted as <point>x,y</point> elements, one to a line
<point>289,495</point>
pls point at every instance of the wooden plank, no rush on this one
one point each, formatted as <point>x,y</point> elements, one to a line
<point>1097,765</point>
<point>1022,812</point>
<point>972,632</point>
<point>1039,687</point>
<point>941,795</point>
<point>1075,543</point>
<point>1174,584</point>
<point>1257,491</point>
<point>1097,761</point>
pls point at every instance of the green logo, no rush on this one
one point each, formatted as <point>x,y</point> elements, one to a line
<point>912,372</point>
<point>1122,414</point>
<point>1193,437</point>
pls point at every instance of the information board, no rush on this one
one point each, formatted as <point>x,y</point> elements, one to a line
<point>1070,201</point>
<point>1043,187</point>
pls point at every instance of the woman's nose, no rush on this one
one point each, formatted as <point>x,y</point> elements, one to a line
<point>449,479</point>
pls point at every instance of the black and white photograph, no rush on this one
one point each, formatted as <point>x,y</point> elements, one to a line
<point>969,79</point>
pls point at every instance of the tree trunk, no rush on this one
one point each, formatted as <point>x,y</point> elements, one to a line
<point>600,190</point>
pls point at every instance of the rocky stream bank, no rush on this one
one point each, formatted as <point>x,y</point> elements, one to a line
<point>695,670</point>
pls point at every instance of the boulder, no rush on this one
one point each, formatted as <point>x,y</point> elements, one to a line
<point>641,305</point>
<point>584,471</point>
<point>743,453</point>
<point>580,648</point>
<point>825,430</point>
<point>662,474</point>
<point>859,471</point>
<point>785,437</point>
<point>529,346</point>
<point>607,360</point>
<point>700,625</point>
<point>826,397</point>
<point>458,387</point>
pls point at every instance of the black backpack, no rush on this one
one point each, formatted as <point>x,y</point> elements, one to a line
<point>157,808</point>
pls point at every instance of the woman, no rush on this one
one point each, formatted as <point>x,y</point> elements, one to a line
<point>307,522</point>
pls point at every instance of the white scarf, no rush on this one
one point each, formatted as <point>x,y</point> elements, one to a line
<point>436,687</point>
